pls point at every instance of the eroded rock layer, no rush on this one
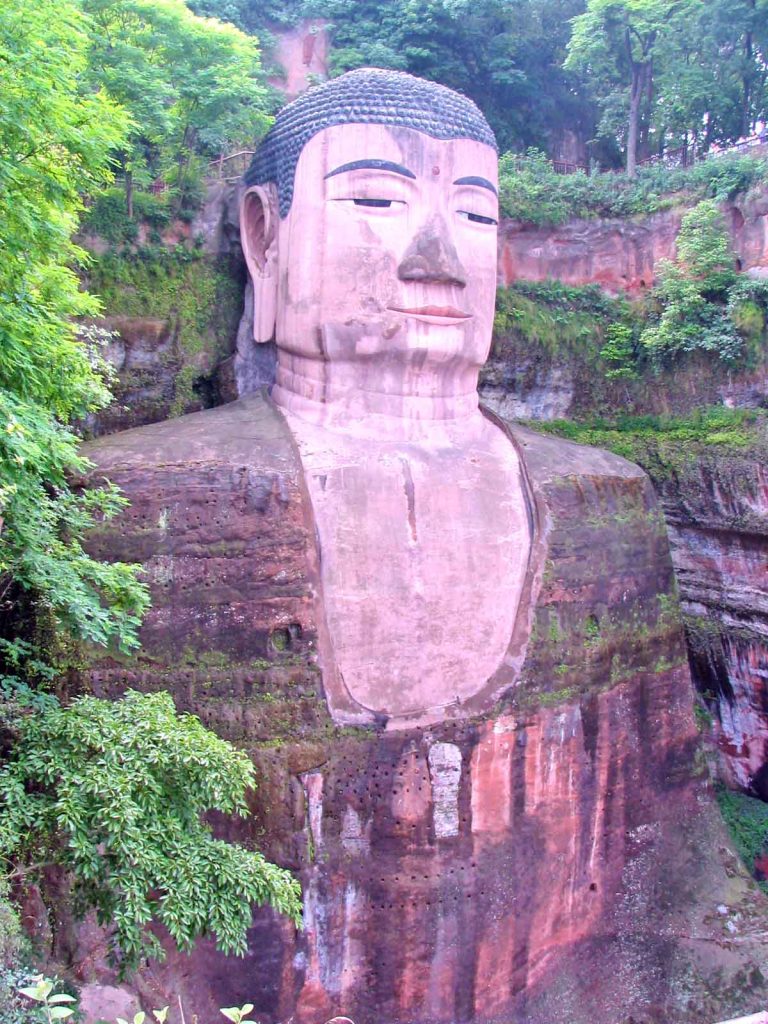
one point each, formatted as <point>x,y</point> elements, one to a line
<point>716,506</point>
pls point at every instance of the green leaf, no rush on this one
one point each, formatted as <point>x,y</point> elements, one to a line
<point>32,993</point>
<point>60,1012</point>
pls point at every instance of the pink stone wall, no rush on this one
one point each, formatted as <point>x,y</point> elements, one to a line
<point>621,254</point>
<point>302,53</point>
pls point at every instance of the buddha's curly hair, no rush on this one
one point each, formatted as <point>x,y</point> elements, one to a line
<point>364,96</point>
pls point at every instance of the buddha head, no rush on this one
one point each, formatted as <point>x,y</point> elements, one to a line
<point>369,225</point>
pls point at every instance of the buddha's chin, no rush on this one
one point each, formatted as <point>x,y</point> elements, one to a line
<point>422,340</point>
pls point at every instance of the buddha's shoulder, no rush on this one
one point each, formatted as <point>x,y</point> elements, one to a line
<point>584,489</point>
<point>247,432</point>
<point>590,493</point>
<point>550,460</point>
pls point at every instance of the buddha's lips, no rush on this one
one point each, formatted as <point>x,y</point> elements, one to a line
<point>448,312</point>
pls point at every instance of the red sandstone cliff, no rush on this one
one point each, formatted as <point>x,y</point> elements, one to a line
<point>621,254</point>
<point>717,510</point>
<point>555,860</point>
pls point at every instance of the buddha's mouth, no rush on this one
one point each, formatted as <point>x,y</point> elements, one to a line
<point>434,314</point>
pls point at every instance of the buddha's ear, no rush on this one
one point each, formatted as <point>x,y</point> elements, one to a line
<point>258,234</point>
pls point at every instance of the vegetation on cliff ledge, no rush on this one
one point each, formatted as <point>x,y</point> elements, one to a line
<point>664,439</point>
<point>531,191</point>
<point>700,304</point>
<point>747,821</point>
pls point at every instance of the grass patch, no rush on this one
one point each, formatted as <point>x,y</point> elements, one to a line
<point>634,436</point>
<point>555,317</point>
<point>747,820</point>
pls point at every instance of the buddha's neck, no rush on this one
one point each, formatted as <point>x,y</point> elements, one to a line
<point>381,399</point>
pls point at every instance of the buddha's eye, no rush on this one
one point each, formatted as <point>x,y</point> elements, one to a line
<point>373,202</point>
<point>477,218</point>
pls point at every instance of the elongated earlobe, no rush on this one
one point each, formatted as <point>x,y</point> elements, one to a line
<point>258,234</point>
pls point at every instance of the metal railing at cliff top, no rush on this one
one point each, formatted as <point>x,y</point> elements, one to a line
<point>681,156</point>
<point>231,166</point>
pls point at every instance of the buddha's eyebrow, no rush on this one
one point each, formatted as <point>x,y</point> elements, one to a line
<point>472,180</point>
<point>372,165</point>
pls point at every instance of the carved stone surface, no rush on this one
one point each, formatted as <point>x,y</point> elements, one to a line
<point>576,866</point>
<point>451,646</point>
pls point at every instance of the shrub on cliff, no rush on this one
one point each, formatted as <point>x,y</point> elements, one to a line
<point>115,791</point>
<point>54,141</point>
<point>532,192</point>
<point>700,302</point>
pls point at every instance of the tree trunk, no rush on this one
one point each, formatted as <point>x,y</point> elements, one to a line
<point>635,97</point>
<point>129,194</point>
<point>746,105</point>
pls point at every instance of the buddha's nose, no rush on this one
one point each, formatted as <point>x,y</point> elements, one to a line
<point>432,256</point>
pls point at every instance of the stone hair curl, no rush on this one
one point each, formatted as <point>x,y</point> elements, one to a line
<point>364,96</point>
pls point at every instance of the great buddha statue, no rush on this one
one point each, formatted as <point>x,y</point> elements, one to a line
<point>450,644</point>
<point>369,229</point>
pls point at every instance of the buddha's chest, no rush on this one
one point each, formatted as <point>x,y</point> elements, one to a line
<point>423,554</point>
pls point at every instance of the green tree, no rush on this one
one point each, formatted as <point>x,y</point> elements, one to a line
<point>673,73</point>
<point>54,141</point>
<point>115,791</point>
<point>190,84</point>
<point>619,45</point>
<point>714,88</point>
<point>693,293</point>
<point>506,56</point>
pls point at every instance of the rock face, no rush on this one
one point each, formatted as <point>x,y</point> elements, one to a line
<point>717,512</point>
<point>621,254</point>
<point>173,310</point>
<point>749,227</point>
<point>553,860</point>
<point>302,53</point>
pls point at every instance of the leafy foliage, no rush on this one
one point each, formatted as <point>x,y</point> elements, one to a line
<point>107,216</point>
<point>51,1006</point>
<point>747,821</point>
<point>253,17</point>
<point>507,57</point>
<point>115,791</point>
<point>531,191</point>
<point>700,300</point>
<point>54,140</point>
<point>13,973</point>
<point>190,84</point>
<point>668,73</point>
<point>621,351</point>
